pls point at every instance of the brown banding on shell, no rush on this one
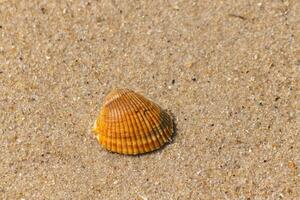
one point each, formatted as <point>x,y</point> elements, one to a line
<point>131,124</point>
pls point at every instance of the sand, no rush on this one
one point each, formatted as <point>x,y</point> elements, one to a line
<point>228,70</point>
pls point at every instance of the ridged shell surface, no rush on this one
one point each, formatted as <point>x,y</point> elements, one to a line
<point>131,124</point>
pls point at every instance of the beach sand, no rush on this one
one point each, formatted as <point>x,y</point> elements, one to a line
<point>229,71</point>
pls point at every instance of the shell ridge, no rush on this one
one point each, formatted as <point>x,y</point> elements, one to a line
<point>100,127</point>
<point>157,131</point>
<point>136,121</point>
<point>155,118</point>
<point>129,121</point>
<point>97,127</point>
<point>118,139</point>
<point>143,124</point>
<point>159,128</point>
<point>140,119</point>
<point>122,106</point>
<point>113,128</point>
<point>102,131</point>
<point>114,95</point>
<point>165,123</point>
<point>154,132</point>
<point>146,118</point>
<point>146,123</point>
<point>163,126</point>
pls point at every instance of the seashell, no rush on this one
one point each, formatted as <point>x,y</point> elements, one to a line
<point>129,123</point>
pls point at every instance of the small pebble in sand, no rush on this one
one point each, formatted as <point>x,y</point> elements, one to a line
<point>292,165</point>
<point>131,124</point>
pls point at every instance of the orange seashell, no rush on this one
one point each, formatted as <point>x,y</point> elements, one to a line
<point>131,124</point>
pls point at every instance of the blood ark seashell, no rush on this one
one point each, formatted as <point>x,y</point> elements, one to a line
<point>129,123</point>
